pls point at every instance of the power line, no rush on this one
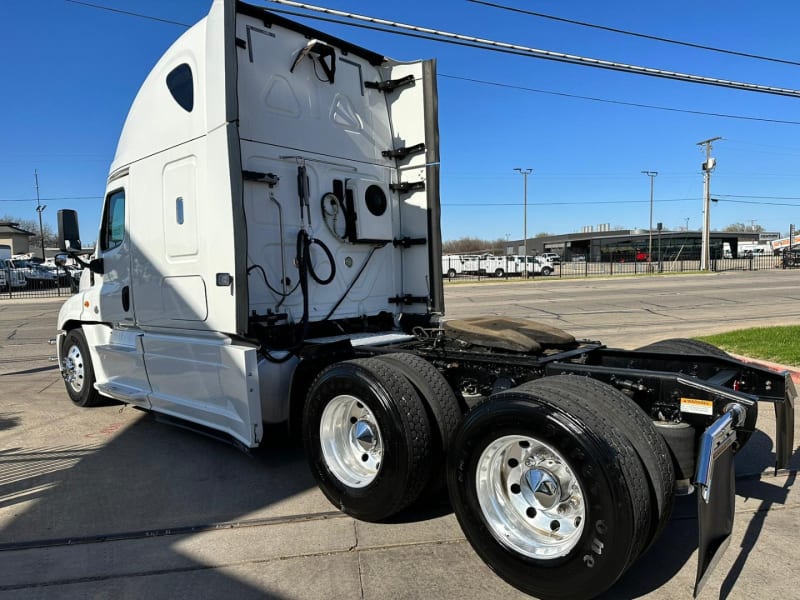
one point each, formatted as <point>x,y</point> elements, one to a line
<point>636,34</point>
<point>760,203</point>
<point>131,14</point>
<point>719,197</point>
<point>473,80</point>
<point>608,101</point>
<point>54,199</point>
<point>507,48</point>
<point>764,197</point>
<point>569,202</point>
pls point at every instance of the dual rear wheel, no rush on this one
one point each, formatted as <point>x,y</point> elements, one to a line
<point>375,431</point>
<point>558,484</point>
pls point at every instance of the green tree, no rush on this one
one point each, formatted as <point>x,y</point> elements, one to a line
<point>735,227</point>
<point>472,245</point>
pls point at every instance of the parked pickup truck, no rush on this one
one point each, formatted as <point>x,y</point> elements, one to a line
<point>502,266</point>
<point>13,276</point>
<point>30,273</point>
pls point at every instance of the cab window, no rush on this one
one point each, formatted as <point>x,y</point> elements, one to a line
<point>113,232</point>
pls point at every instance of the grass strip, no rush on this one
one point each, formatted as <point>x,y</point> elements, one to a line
<point>776,344</point>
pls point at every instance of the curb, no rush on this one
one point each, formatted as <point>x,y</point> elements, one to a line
<point>793,371</point>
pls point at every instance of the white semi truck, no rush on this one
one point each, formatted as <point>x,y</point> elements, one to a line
<point>270,252</point>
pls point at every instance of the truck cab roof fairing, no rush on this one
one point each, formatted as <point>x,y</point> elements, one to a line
<point>156,120</point>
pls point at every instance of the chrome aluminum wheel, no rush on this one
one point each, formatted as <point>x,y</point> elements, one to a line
<point>351,441</point>
<point>73,368</point>
<point>530,498</point>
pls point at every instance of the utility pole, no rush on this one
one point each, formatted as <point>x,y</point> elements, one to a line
<point>652,175</point>
<point>708,166</point>
<point>40,210</point>
<point>525,173</point>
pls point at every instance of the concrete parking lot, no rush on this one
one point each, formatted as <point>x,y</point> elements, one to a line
<point>110,502</point>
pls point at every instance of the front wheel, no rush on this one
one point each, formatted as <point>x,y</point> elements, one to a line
<point>78,371</point>
<point>546,271</point>
<point>549,494</point>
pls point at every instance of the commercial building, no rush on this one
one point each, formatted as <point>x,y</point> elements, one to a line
<point>633,244</point>
<point>11,234</point>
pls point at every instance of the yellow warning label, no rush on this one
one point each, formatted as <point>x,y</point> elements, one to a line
<point>697,406</point>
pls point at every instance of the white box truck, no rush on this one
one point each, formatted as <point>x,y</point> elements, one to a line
<point>269,251</point>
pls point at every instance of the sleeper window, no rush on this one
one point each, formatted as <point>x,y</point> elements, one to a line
<point>181,86</point>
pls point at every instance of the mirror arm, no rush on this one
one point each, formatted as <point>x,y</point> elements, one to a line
<point>75,255</point>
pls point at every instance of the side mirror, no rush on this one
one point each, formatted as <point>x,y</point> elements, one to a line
<point>69,237</point>
<point>60,260</point>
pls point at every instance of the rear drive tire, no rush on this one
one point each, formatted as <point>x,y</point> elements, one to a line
<point>640,431</point>
<point>551,495</point>
<point>444,411</point>
<point>685,346</point>
<point>499,273</point>
<point>78,370</point>
<point>367,438</point>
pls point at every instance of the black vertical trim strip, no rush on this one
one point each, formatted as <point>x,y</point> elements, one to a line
<point>431,112</point>
<point>231,78</point>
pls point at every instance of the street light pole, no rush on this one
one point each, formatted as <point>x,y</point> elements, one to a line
<point>40,210</point>
<point>652,175</point>
<point>525,173</point>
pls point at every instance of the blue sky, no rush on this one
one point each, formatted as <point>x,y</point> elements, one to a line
<point>70,72</point>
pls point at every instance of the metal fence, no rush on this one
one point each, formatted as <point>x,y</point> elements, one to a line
<point>481,269</point>
<point>65,282</point>
<point>17,283</point>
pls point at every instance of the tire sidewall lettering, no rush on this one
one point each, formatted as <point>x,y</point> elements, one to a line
<point>601,542</point>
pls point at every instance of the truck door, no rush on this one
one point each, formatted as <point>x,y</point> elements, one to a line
<point>412,104</point>
<point>115,300</point>
<point>113,337</point>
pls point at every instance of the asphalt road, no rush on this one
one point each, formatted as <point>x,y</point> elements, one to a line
<point>109,502</point>
<point>629,312</point>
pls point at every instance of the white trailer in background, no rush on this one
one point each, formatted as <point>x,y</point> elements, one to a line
<point>782,244</point>
<point>270,251</point>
